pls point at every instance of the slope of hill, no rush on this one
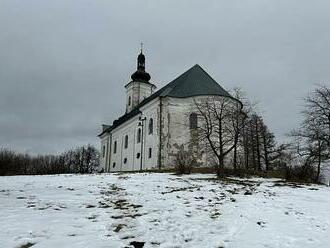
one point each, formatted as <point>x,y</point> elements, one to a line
<point>161,210</point>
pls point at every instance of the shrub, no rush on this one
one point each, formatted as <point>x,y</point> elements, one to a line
<point>304,173</point>
<point>184,161</point>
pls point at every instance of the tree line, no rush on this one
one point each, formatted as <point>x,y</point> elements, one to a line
<point>84,159</point>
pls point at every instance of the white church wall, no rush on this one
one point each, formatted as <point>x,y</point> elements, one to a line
<point>125,159</point>
<point>145,91</point>
<point>104,151</point>
<point>176,130</point>
<point>132,93</point>
<point>176,127</point>
<point>122,159</point>
<point>136,92</point>
<point>151,140</point>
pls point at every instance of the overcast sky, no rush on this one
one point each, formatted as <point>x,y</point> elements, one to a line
<point>64,63</point>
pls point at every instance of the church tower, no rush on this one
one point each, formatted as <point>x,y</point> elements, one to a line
<point>140,87</point>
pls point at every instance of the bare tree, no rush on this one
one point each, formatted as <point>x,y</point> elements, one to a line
<point>269,150</point>
<point>317,112</point>
<point>239,122</point>
<point>259,144</point>
<point>256,120</point>
<point>252,142</point>
<point>313,136</point>
<point>217,131</point>
<point>247,135</point>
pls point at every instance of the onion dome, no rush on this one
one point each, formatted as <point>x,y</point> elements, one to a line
<point>141,74</point>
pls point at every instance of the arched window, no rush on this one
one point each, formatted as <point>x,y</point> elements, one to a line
<point>126,142</point>
<point>138,138</point>
<point>129,101</point>
<point>151,126</point>
<point>193,121</point>
<point>103,151</point>
<point>115,147</point>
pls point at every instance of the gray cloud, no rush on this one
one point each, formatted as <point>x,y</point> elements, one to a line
<point>63,64</point>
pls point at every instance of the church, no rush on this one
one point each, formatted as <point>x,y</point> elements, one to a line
<point>156,122</point>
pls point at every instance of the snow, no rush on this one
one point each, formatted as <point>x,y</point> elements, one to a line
<point>162,210</point>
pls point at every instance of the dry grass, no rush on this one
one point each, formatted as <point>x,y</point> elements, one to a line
<point>27,245</point>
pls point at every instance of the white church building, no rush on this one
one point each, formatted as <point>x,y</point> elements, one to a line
<point>155,123</point>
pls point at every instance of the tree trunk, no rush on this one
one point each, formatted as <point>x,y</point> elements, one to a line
<point>265,149</point>
<point>221,155</point>
<point>318,162</point>
<point>235,158</point>
<point>253,147</point>
<point>236,142</point>
<point>220,167</point>
<point>258,144</point>
<point>246,150</point>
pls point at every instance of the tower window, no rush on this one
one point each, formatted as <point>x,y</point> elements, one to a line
<point>126,142</point>
<point>114,165</point>
<point>115,147</point>
<point>125,160</point>
<point>193,121</point>
<point>138,155</point>
<point>129,101</point>
<point>151,126</point>
<point>150,152</point>
<point>138,138</point>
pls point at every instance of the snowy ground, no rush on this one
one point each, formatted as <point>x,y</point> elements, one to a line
<point>161,210</point>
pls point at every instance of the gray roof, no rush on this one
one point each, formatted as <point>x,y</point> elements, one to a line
<point>194,82</point>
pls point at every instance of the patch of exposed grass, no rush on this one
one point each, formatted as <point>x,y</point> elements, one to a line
<point>27,245</point>
<point>90,206</point>
<point>289,184</point>
<point>179,189</point>
<point>119,227</point>
<point>92,217</point>
<point>215,214</point>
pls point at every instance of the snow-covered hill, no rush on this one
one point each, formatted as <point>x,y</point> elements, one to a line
<point>161,210</point>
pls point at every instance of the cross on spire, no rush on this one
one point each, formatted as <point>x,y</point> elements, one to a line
<point>141,46</point>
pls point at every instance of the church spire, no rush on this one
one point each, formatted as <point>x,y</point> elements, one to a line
<point>141,74</point>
